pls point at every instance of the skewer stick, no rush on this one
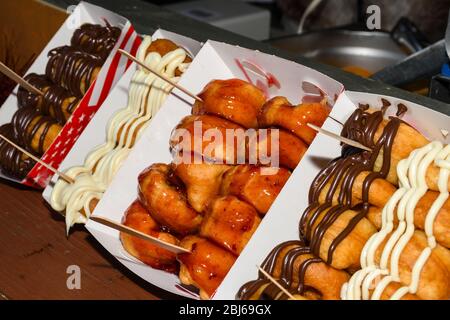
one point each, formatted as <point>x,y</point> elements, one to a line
<point>338,137</point>
<point>49,167</point>
<point>129,56</point>
<point>122,228</point>
<point>15,77</point>
<point>275,282</point>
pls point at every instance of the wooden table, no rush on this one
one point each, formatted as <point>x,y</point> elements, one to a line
<point>35,254</point>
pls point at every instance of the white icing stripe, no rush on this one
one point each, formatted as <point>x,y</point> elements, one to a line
<point>399,293</point>
<point>344,291</point>
<point>412,186</point>
<point>145,96</point>
<point>443,196</point>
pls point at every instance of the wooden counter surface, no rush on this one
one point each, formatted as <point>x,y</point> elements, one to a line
<point>35,254</point>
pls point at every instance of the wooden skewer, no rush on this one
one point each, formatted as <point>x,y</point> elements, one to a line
<point>120,227</point>
<point>55,171</point>
<point>275,282</point>
<point>338,137</point>
<point>15,77</point>
<point>129,56</point>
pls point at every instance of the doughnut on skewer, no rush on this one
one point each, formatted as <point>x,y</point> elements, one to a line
<point>163,47</point>
<point>202,182</point>
<point>434,282</point>
<point>166,204</point>
<point>73,69</point>
<point>158,50</point>
<point>138,218</point>
<point>406,140</point>
<point>228,98</point>
<point>196,134</point>
<point>380,191</point>
<point>190,137</point>
<point>248,183</point>
<point>299,271</point>
<point>279,112</point>
<point>230,223</point>
<point>333,240</point>
<point>95,39</point>
<point>289,152</point>
<point>56,102</point>
<point>13,162</point>
<point>441,224</point>
<point>34,131</point>
<point>206,266</point>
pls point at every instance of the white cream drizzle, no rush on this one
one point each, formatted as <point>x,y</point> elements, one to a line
<point>412,187</point>
<point>145,96</point>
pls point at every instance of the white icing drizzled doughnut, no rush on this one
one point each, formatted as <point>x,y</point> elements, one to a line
<point>412,187</point>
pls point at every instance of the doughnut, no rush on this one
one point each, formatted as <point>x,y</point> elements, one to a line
<point>202,182</point>
<point>228,99</point>
<point>299,271</point>
<point>290,148</point>
<point>138,218</point>
<point>249,184</point>
<point>206,266</point>
<point>13,163</point>
<point>230,223</point>
<point>279,112</point>
<point>72,69</point>
<point>95,39</point>
<point>34,131</point>
<point>56,102</point>
<point>164,199</point>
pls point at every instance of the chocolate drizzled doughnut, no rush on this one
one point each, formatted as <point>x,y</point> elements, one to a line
<point>96,39</point>
<point>13,163</point>
<point>342,172</point>
<point>27,98</point>
<point>56,102</point>
<point>73,69</point>
<point>34,131</point>
<point>285,255</point>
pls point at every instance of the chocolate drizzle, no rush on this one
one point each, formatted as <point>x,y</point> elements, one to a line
<point>26,123</point>
<point>285,255</point>
<point>14,163</point>
<point>69,73</point>
<point>401,110</point>
<point>324,209</point>
<point>72,69</point>
<point>96,39</point>
<point>56,102</point>
<point>341,174</point>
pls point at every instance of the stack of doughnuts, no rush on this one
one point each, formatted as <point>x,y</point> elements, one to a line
<point>69,73</point>
<point>146,95</point>
<point>211,203</point>
<point>56,102</point>
<point>378,221</point>
<point>72,69</point>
